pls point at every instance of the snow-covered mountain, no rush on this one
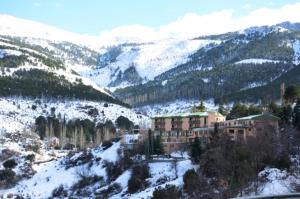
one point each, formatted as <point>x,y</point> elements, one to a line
<point>148,59</point>
<point>234,68</point>
<point>160,71</point>
<point>17,27</point>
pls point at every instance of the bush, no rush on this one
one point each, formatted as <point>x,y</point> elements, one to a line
<point>59,192</point>
<point>197,186</point>
<point>170,191</point>
<point>93,112</point>
<point>107,144</point>
<point>124,123</point>
<point>30,157</point>
<point>138,178</point>
<point>33,107</point>
<point>114,170</point>
<point>7,175</point>
<point>83,158</point>
<point>134,184</point>
<point>9,164</point>
<point>88,180</point>
<point>190,179</point>
<point>34,148</point>
<point>111,190</point>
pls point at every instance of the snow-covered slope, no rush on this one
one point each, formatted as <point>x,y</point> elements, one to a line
<point>149,59</point>
<point>51,175</point>
<point>17,115</point>
<point>13,26</point>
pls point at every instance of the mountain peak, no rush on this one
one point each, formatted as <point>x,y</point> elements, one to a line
<point>13,26</point>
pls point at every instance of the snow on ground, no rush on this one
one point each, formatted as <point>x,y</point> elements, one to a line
<point>257,61</point>
<point>48,177</point>
<point>205,80</point>
<point>253,85</point>
<point>7,52</point>
<point>276,182</point>
<point>296,47</point>
<point>161,170</point>
<point>16,114</point>
<point>177,106</point>
<point>52,174</point>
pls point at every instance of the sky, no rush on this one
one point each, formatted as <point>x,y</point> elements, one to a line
<point>152,18</point>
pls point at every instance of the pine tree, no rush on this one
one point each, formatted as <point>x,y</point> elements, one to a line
<point>221,109</point>
<point>196,149</point>
<point>296,115</point>
<point>81,139</point>
<point>291,93</point>
<point>158,147</point>
<point>287,113</point>
<point>199,108</point>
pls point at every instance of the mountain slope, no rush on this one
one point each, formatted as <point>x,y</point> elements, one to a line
<point>148,59</point>
<point>246,59</point>
<point>33,70</point>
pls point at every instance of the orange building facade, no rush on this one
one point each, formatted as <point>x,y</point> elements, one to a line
<point>177,131</point>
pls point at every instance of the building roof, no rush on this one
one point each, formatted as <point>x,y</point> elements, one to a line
<point>265,116</point>
<point>196,114</point>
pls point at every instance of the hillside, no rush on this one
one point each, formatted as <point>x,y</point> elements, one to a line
<point>242,60</point>
<point>48,69</point>
<point>221,68</point>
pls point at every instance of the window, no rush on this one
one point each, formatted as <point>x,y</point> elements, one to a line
<point>240,131</point>
<point>231,131</point>
<point>205,120</point>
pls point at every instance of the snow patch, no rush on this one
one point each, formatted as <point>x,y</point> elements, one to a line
<point>7,52</point>
<point>257,61</point>
<point>296,48</point>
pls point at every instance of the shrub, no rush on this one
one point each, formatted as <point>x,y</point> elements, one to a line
<point>138,178</point>
<point>34,148</point>
<point>7,175</point>
<point>134,184</point>
<point>111,190</point>
<point>9,164</point>
<point>84,158</point>
<point>170,191</point>
<point>124,123</point>
<point>33,107</point>
<point>52,109</point>
<point>197,186</point>
<point>107,144</point>
<point>114,170</point>
<point>88,180</point>
<point>59,192</point>
<point>30,157</point>
<point>93,112</point>
<point>190,179</point>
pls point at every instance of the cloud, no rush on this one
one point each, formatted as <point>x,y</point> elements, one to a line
<point>193,25</point>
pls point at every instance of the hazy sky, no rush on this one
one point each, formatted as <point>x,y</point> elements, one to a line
<point>96,16</point>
